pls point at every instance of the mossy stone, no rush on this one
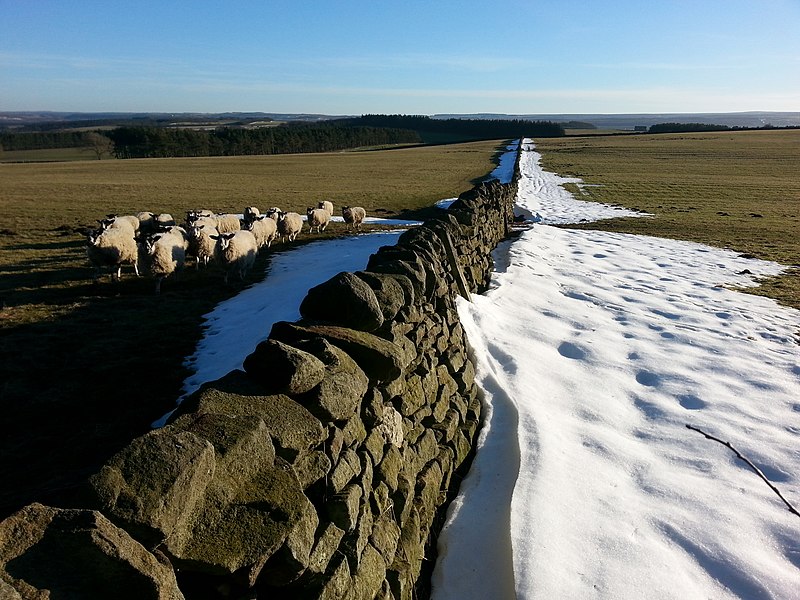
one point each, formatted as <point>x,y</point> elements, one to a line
<point>282,369</point>
<point>344,300</point>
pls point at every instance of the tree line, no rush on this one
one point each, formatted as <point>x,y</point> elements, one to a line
<point>696,127</point>
<point>163,142</point>
<point>685,127</point>
<point>158,142</point>
<point>478,129</point>
<point>137,141</point>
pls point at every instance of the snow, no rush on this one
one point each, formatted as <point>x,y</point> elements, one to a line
<point>594,351</point>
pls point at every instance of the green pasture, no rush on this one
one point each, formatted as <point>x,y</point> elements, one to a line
<point>738,190</point>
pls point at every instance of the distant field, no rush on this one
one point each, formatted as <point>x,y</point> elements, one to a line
<point>85,368</point>
<point>737,190</point>
<point>53,154</point>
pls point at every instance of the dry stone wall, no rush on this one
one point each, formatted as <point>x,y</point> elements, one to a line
<point>318,471</point>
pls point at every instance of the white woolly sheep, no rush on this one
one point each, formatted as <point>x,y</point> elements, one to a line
<point>128,222</point>
<point>289,225</point>
<point>273,213</point>
<point>251,213</point>
<point>236,252</point>
<point>353,216</point>
<point>147,222</point>
<point>317,217</point>
<point>165,253</point>
<point>228,223</point>
<point>112,248</point>
<point>264,229</point>
<point>193,217</point>
<point>327,205</point>
<point>203,221</point>
<point>164,220</point>
<point>201,245</point>
<point>178,231</point>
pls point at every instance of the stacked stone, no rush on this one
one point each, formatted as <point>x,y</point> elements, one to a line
<point>316,472</point>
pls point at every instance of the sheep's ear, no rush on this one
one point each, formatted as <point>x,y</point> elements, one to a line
<point>214,237</point>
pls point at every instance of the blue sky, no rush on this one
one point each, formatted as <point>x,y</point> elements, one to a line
<point>410,57</point>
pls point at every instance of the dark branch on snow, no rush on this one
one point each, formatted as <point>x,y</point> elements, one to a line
<point>757,471</point>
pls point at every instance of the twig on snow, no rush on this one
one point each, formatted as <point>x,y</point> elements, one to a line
<point>757,471</point>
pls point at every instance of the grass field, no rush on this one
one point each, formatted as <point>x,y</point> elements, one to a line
<point>84,367</point>
<point>737,190</point>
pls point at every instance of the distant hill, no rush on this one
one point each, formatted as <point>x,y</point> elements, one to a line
<point>630,121</point>
<point>33,120</point>
<point>37,120</point>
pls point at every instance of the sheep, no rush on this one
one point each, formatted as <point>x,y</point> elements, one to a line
<point>289,225</point>
<point>201,245</point>
<point>193,215</point>
<point>353,216</point>
<point>165,253</point>
<point>128,222</point>
<point>251,213</point>
<point>236,251</point>
<point>228,223</point>
<point>273,213</point>
<point>112,248</point>
<point>317,217</point>
<point>327,205</point>
<point>147,222</point>
<point>178,231</point>
<point>265,230</point>
<point>164,220</point>
<point>201,221</point>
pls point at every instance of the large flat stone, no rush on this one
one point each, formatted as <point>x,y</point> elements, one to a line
<point>50,552</point>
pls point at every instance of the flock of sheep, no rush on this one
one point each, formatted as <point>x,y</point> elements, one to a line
<point>156,244</point>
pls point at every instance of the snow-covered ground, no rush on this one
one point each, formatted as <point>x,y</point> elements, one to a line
<point>595,350</point>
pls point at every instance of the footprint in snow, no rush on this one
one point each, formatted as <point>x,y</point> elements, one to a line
<point>570,350</point>
<point>648,379</point>
<point>691,402</point>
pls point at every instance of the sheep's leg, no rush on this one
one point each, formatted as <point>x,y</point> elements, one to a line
<point>158,284</point>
